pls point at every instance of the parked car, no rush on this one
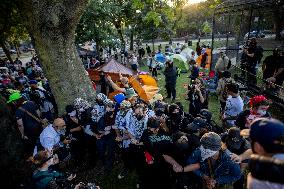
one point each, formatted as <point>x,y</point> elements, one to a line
<point>282,34</point>
<point>13,51</point>
<point>2,53</point>
<point>254,34</point>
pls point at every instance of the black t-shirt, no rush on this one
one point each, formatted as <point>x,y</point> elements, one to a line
<point>32,128</point>
<point>157,145</point>
<point>70,124</point>
<point>271,63</point>
<point>280,65</point>
<point>252,61</point>
<point>183,150</point>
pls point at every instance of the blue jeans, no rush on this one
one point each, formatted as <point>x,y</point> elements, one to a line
<point>106,148</point>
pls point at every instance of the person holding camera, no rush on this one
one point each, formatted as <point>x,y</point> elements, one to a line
<point>254,55</point>
<point>44,177</point>
<point>197,97</point>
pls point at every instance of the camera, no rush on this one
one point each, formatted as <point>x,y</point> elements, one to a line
<point>191,87</point>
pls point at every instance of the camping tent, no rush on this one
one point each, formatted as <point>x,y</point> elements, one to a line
<point>208,62</point>
<point>112,68</point>
<point>145,86</point>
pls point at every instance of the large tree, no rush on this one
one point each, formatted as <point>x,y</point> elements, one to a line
<point>9,21</point>
<point>52,24</point>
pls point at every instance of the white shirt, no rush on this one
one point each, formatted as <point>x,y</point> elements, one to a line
<point>234,106</point>
<point>49,137</point>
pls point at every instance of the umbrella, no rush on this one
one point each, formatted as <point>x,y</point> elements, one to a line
<point>145,92</point>
<point>160,58</point>
<point>180,61</point>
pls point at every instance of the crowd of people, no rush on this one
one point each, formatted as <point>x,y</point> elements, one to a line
<point>166,146</point>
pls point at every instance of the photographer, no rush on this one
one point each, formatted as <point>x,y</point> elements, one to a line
<point>253,57</point>
<point>44,177</point>
<point>197,97</point>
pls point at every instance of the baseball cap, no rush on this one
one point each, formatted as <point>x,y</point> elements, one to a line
<point>31,82</point>
<point>269,133</point>
<point>119,97</point>
<point>13,97</point>
<point>130,93</point>
<point>211,141</point>
<point>234,139</point>
<point>197,124</point>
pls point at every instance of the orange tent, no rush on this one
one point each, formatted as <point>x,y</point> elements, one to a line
<point>208,62</point>
<point>112,68</point>
<point>145,86</point>
<point>147,80</point>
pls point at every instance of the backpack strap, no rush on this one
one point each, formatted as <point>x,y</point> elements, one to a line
<point>43,122</point>
<point>31,115</point>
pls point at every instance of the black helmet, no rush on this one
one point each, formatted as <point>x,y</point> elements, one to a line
<point>205,114</point>
<point>197,124</point>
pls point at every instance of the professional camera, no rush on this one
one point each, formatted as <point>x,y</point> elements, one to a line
<point>191,87</point>
<point>87,185</point>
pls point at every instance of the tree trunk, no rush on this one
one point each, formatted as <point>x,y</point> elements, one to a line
<point>153,44</point>
<point>6,50</point>
<point>18,51</point>
<point>52,25</point>
<point>98,46</point>
<point>131,39</point>
<point>119,31</point>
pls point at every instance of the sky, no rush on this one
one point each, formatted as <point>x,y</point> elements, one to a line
<point>194,1</point>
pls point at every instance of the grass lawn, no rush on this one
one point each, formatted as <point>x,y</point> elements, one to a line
<point>182,91</point>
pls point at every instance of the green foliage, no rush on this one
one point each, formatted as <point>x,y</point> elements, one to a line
<point>12,31</point>
<point>206,28</point>
<point>153,17</point>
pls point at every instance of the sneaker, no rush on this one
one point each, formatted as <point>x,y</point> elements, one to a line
<point>122,174</point>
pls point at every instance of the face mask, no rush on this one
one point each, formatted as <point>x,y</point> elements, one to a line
<point>261,112</point>
<point>61,131</point>
<point>72,114</point>
<point>139,117</point>
<point>206,153</point>
<point>99,102</point>
<point>109,113</point>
